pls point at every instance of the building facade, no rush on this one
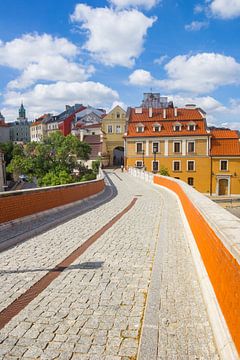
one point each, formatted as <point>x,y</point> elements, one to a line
<point>20,129</point>
<point>4,130</point>
<point>39,128</point>
<point>177,140</point>
<point>225,162</point>
<point>114,126</point>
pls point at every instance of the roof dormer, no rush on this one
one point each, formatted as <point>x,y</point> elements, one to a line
<point>156,127</point>
<point>191,126</point>
<point>177,126</point>
<point>140,128</point>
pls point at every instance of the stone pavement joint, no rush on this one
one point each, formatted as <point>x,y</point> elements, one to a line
<point>94,309</point>
<point>19,304</point>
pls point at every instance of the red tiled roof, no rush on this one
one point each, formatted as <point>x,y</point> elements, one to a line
<point>36,123</point>
<point>223,134</point>
<point>167,129</point>
<point>225,147</point>
<point>225,143</point>
<point>95,142</point>
<point>184,117</point>
<point>182,114</point>
<point>92,139</point>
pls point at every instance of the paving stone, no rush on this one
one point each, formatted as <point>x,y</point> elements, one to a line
<point>95,307</point>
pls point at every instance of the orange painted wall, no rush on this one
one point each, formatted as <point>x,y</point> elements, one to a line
<point>223,270</point>
<point>23,203</point>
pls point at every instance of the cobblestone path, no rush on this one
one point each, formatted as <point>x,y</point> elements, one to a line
<point>95,308</point>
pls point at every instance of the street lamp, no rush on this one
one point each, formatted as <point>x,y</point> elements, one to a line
<point>143,152</point>
<point>154,160</point>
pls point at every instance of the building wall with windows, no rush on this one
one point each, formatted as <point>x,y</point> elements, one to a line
<point>114,125</point>
<point>183,145</point>
<point>225,162</point>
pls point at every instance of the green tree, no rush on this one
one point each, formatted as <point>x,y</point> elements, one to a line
<point>7,149</point>
<point>52,162</point>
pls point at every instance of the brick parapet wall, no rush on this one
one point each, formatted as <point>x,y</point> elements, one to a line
<point>17,204</point>
<point>219,251</point>
<point>217,235</point>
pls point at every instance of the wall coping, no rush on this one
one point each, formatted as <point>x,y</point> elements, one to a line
<point>225,225</point>
<point>4,194</point>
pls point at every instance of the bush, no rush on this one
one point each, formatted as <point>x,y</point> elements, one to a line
<point>164,171</point>
<point>95,166</point>
<point>88,177</point>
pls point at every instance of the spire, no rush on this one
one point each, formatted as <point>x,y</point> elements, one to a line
<point>22,112</point>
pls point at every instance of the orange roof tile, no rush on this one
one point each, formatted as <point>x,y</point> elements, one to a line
<point>167,129</point>
<point>223,134</point>
<point>225,147</point>
<point>182,114</point>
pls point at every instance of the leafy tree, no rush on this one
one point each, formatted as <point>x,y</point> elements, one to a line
<point>52,162</point>
<point>7,149</point>
<point>164,171</point>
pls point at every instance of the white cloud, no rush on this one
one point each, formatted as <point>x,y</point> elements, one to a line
<point>52,97</point>
<point>198,9</point>
<point>113,37</point>
<point>225,9</point>
<point>160,60</point>
<point>21,52</point>
<point>141,77</point>
<point>42,57</point>
<point>147,4</point>
<point>201,73</point>
<point>196,25</point>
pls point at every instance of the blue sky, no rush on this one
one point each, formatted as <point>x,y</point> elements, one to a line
<point>102,53</point>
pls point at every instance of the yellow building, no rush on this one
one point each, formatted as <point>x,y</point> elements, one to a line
<point>39,128</point>
<point>113,125</point>
<point>225,162</point>
<point>177,140</point>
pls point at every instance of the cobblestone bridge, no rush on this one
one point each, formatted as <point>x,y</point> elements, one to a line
<point>114,281</point>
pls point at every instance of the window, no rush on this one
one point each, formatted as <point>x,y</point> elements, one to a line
<point>156,127</point>
<point>110,129</point>
<point>190,181</point>
<point>118,129</point>
<point>140,129</point>
<point>177,127</point>
<point>191,165</point>
<point>155,165</point>
<point>176,165</point>
<point>223,165</point>
<point>139,147</point>
<point>118,115</point>
<point>191,128</point>
<point>155,147</point>
<point>139,164</point>
<point>191,146</point>
<point>177,147</point>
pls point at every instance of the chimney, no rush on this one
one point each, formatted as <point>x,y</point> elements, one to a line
<point>150,112</point>
<point>164,113</point>
<point>138,110</point>
<point>175,112</point>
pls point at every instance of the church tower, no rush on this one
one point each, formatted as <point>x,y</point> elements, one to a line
<point>22,113</point>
